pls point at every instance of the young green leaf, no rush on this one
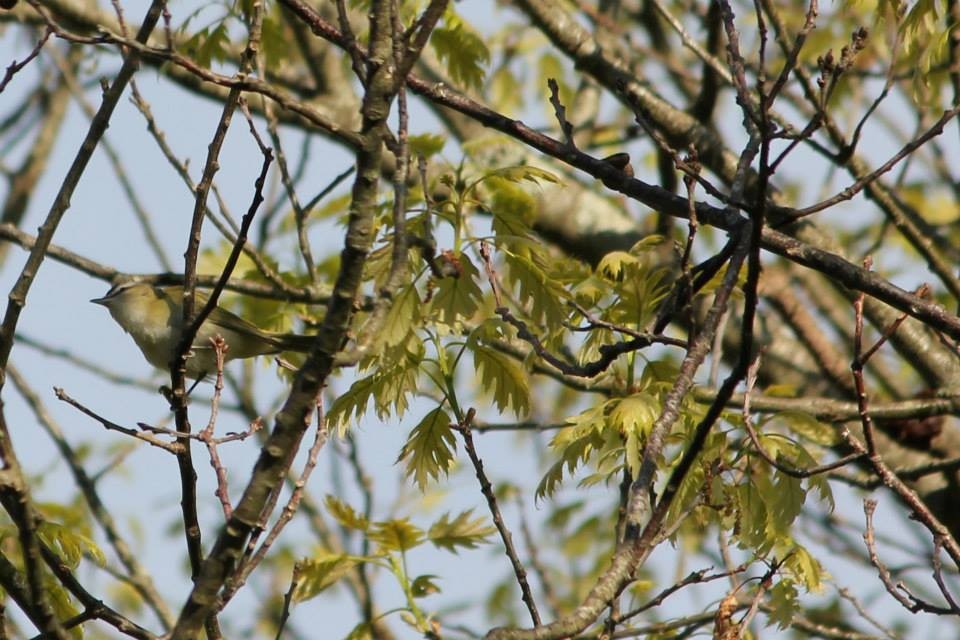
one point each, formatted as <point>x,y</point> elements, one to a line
<point>463,52</point>
<point>345,514</point>
<point>503,379</point>
<point>457,297</point>
<point>403,316</point>
<point>462,531</point>
<point>423,586</point>
<point>429,451</point>
<point>396,535</point>
<point>316,574</point>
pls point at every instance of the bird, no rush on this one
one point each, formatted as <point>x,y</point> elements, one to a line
<point>153,316</point>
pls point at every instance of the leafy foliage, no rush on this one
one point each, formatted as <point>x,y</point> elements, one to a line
<point>457,298</point>
<point>464,531</point>
<point>462,50</point>
<point>389,387</point>
<point>315,575</point>
<point>429,451</point>
<point>503,378</point>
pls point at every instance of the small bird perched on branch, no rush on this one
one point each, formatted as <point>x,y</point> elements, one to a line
<point>153,316</point>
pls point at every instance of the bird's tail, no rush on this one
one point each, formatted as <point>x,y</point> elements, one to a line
<point>294,342</point>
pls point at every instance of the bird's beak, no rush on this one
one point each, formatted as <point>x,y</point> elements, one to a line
<point>102,301</point>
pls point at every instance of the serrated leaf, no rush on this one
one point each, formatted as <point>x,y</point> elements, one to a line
<point>463,52</point>
<point>389,387</point>
<point>805,568</point>
<point>463,531</point>
<point>457,297</point>
<point>613,265</point>
<point>784,603</point>
<point>399,381</point>
<point>636,412</point>
<point>524,173</point>
<point>345,514</point>
<point>784,497</point>
<point>751,518</point>
<point>352,403</point>
<point>402,317</point>
<point>634,416</point>
<point>541,294</point>
<point>503,378</point>
<point>576,444</point>
<point>822,484</point>
<point>512,207</point>
<point>314,575</point>
<point>429,451</point>
<point>396,535</point>
<point>70,544</point>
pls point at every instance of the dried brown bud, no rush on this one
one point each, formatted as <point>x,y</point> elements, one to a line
<point>620,161</point>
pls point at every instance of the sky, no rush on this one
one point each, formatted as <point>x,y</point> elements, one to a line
<point>100,226</point>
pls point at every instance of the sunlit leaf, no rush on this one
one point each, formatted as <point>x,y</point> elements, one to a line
<point>423,586</point>
<point>396,535</point>
<point>463,52</point>
<point>345,514</point>
<point>457,297</point>
<point>503,378</point>
<point>463,531</point>
<point>429,451</point>
<point>314,575</point>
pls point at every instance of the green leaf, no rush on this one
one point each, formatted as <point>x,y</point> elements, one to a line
<point>506,92</point>
<point>363,631</point>
<point>751,518</point>
<point>457,297</point>
<point>784,603</point>
<point>423,586</point>
<point>809,427</point>
<point>426,144</point>
<point>62,604</point>
<point>613,265</point>
<point>463,52</point>
<point>541,295</point>
<point>636,413</point>
<point>396,535</point>
<point>524,173</point>
<point>429,451</point>
<point>634,416</point>
<point>275,38</point>
<point>463,531</point>
<point>503,378</point>
<point>390,388</point>
<point>403,316</point>
<point>784,497</point>
<point>352,403</point>
<point>346,515</point>
<point>576,445</point>
<point>313,575</point>
<point>551,66</point>
<point>805,568</point>
<point>397,382</point>
<point>205,45</point>
<point>512,207</point>
<point>70,544</point>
